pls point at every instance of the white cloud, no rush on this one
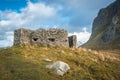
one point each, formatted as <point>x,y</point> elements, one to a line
<point>32,16</point>
<point>4,23</point>
<point>8,41</point>
<point>39,9</point>
<point>82,36</point>
<point>33,13</point>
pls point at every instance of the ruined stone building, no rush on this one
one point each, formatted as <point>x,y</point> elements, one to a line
<point>42,37</point>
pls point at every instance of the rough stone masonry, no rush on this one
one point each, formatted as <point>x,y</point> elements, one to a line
<point>42,37</point>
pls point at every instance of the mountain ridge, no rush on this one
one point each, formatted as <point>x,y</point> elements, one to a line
<point>106,28</point>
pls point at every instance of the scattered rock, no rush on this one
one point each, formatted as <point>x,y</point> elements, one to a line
<point>62,51</point>
<point>89,50</point>
<point>47,60</point>
<point>60,68</point>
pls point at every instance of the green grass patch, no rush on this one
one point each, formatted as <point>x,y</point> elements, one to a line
<point>26,63</point>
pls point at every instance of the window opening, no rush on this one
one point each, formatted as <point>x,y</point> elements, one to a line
<point>35,39</point>
<point>51,39</point>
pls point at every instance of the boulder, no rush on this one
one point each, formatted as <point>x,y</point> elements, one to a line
<point>60,68</point>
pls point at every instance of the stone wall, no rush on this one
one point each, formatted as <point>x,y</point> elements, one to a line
<point>51,37</point>
<point>22,36</point>
<point>17,36</point>
<point>72,41</point>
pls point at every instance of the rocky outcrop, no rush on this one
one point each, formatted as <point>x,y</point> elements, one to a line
<point>106,28</point>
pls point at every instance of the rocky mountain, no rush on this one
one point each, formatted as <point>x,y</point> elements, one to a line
<point>106,28</point>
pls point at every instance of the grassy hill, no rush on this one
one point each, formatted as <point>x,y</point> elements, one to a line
<point>27,63</point>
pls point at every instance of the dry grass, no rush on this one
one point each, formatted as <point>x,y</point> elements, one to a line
<point>27,63</point>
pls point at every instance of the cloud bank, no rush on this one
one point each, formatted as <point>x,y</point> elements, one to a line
<point>33,16</point>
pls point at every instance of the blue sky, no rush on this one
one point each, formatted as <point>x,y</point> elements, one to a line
<point>76,16</point>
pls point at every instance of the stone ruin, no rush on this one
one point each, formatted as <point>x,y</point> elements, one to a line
<point>42,37</point>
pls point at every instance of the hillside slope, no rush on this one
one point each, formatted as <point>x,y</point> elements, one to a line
<point>106,28</point>
<point>26,63</point>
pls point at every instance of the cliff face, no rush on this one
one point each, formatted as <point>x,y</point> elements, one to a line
<point>106,28</point>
